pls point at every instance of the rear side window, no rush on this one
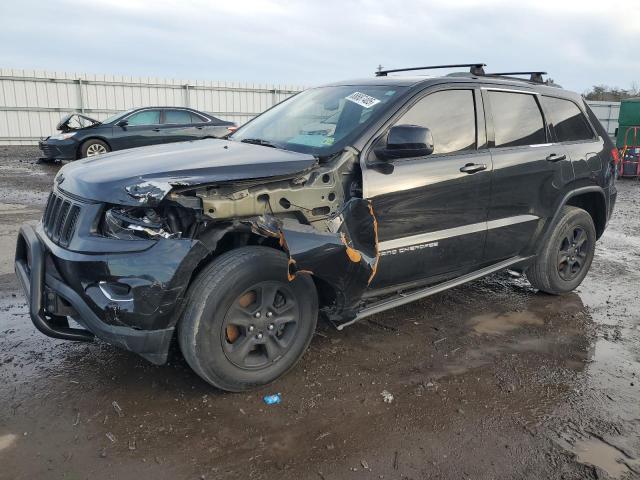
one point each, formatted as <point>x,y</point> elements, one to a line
<point>146,117</point>
<point>195,118</point>
<point>451,117</point>
<point>568,121</point>
<point>517,119</point>
<point>177,116</point>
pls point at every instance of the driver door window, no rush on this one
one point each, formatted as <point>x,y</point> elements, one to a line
<point>146,117</point>
<point>451,117</point>
<point>142,129</point>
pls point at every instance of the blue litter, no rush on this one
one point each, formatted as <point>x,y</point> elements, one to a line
<point>272,399</point>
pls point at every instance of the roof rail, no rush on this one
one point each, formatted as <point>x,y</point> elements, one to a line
<point>475,68</point>
<point>534,76</point>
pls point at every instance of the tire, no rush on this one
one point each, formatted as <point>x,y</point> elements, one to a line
<point>566,257</point>
<point>93,147</point>
<point>220,335</point>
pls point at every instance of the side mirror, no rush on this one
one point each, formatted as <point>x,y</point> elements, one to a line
<point>406,141</point>
<point>122,123</point>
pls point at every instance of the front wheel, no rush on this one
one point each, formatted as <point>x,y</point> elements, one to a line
<point>566,257</point>
<point>245,323</point>
<point>94,147</point>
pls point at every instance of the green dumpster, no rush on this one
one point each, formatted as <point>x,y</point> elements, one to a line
<point>629,117</point>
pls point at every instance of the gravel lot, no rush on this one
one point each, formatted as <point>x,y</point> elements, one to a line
<point>489,380</point>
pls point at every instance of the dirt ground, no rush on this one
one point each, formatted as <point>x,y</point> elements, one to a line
<point>490,380</point>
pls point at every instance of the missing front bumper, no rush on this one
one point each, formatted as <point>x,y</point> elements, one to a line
<point>42,289</point>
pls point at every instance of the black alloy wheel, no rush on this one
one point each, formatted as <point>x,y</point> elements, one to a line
<point>260,325</point>
<point>573,253</point>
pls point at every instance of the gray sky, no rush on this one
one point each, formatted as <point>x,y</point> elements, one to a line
<point>579,42</point>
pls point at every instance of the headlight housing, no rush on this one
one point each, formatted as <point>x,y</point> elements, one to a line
<point>134,223</point>
<point>63,136</point>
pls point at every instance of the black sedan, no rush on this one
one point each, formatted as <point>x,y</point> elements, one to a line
<point>82,136</point>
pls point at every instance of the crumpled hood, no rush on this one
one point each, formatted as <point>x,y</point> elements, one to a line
<point>76,121</point>
<point>145,175</point>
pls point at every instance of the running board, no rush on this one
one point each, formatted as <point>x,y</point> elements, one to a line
<point>404,298</point>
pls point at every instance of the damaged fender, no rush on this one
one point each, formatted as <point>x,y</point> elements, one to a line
<point>345,257</point>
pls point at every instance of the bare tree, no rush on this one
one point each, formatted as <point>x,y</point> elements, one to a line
<point>606,93</point>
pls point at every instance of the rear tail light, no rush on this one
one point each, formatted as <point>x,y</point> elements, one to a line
<point>615,155</point>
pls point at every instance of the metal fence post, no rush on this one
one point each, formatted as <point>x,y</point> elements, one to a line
<point>186,95</point>
<point>81,96</point>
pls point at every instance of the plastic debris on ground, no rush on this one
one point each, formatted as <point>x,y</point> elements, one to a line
<point>272,399</point>
<point>387,396</point>
<point>117,408</point>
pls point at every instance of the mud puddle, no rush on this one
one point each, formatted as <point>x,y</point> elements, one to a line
<point>612,460</point>
<point>498,323</point>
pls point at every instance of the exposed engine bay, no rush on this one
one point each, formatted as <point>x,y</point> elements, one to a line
<point>317,217</point>
<point>312,198</point>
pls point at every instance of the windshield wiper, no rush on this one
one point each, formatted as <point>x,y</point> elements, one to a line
<point>259,141</point>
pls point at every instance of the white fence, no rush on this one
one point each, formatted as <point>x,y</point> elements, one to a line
<point>32,102</point>
<point>607,113</point>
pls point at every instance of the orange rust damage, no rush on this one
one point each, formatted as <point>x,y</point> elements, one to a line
<point>292,273</point>
<point>290,269</point>
<point>353,254</point>
<point>232,333</point>
<point>374,268</point>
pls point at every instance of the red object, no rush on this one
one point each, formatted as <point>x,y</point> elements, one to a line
<point>615,155</point>
<point>630,154</point>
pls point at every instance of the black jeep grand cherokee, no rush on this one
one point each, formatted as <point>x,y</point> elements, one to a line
<point>346,199</point>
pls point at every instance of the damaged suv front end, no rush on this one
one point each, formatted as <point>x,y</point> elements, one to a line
<point>121,242</point>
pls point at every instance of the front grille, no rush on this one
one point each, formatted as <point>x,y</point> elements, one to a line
<point>48,150</point>
<point>60,219</point>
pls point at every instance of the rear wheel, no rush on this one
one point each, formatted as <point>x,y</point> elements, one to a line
<point>245,323</point>
<point>565,259</point>
<point>94,147</point>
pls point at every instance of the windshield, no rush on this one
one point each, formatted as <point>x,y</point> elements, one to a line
<point>116,116</point>
<point>320,121</point>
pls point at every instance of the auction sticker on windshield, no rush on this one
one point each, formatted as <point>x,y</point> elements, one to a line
<point>362,99</point>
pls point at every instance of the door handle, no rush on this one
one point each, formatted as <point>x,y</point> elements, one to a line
<point>156,129</point>
<point>555,158</point>
<point>473,167</point>
<point>199,128</point>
